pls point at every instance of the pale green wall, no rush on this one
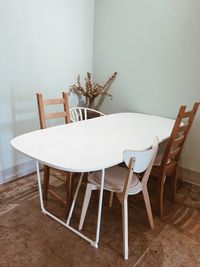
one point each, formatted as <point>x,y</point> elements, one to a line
<point>44,45</point>
<point>155,48</point>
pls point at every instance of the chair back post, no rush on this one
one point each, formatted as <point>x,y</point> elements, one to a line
<point>129,178</point>
<point>147,172</point>
<point>41,111</point>
<point>178,135</point>
<point>66,107</point>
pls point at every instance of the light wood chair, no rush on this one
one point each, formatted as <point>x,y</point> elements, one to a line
<point>167,162</point>
<point>125,182</point>
<point>64,176</point>
<point>82,113</point>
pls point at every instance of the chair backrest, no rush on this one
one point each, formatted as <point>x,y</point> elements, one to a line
<point>178,136</point>
<point>82,113</point>
<point>140,162</point>
<point>43,116</point>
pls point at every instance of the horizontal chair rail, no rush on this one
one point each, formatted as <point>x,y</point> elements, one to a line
<point>184,127</point>
<point>55,115</point>
<point>54,101</point>
<point>187,114</point>
<point>179,140</point>
<point>174,153</point>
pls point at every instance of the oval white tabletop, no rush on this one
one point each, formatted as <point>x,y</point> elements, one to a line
<point>93,144</point>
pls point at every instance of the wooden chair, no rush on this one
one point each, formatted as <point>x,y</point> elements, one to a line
<point>167,163</point>
<point>125,182</point>
<point>43,116</point>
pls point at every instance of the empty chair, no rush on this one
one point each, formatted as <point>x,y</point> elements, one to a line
<point>125,182</point>
<point>44,116</point>
<point>167,162</point>
<point>82,113</point>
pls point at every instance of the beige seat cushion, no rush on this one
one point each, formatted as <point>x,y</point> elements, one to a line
<point>115,178</point>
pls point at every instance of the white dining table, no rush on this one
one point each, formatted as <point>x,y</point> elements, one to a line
<point>91,145</point>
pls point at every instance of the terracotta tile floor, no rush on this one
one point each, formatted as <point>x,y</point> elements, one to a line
<point>29,238</point>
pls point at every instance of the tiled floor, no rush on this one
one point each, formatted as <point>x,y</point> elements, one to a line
<point>29,238</point>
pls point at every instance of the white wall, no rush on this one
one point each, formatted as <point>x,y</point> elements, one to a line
<point>155,48</point>
<point>44,46</point>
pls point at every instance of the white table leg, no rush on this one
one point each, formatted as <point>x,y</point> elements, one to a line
<point>99,208</point>
<point>40,187</point>
<point>74,200</point>
<point>41,197</point>
<point>92,242</point>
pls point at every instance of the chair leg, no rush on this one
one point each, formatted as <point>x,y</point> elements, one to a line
<point>174,185</point>
<point>148,206</point>
<point>111,199</point>
<point>46,182</point>
<point>160,191</point>
<point>125,227</point>
<point>86,201</point>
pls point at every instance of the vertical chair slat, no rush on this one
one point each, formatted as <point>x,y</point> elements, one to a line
<point>80,114</point>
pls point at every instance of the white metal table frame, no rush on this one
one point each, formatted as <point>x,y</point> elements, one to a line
<point>128,131</point>
<point>93,243</point>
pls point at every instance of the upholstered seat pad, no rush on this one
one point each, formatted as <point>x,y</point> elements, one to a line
<point>115,178</point>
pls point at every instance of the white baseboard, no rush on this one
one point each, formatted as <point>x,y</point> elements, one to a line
<point>17,171</point>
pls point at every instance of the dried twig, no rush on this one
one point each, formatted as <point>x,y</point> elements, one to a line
<point>92,90</point>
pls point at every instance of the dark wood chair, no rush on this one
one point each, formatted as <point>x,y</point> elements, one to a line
<point>64,176</point>
<point>167,164</point>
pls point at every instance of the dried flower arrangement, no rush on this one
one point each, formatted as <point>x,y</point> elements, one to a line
<point>92,90</point>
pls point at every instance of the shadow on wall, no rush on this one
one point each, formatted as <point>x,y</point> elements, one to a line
<point>24,116</point>
<point>22,109</point>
